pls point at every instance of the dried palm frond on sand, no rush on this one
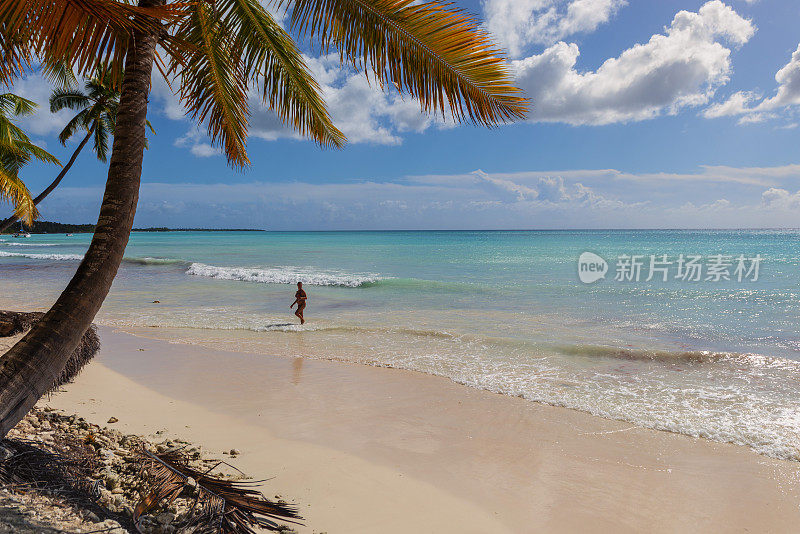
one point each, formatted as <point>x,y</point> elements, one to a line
<point>220,505</point>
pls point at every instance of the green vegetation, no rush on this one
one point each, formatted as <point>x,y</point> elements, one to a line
<point>49,227</point>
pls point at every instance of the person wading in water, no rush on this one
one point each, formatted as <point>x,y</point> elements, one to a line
<point>300,299</point>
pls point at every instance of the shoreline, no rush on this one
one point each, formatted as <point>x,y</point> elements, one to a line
<point>440,454</point>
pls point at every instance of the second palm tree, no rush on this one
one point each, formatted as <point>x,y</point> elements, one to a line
<point>97,114</point>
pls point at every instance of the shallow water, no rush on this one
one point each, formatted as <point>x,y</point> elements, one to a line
<point>503,311</point>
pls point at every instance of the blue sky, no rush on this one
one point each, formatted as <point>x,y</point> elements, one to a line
<point>646,114</point>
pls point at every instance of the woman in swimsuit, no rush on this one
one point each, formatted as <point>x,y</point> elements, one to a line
<point>299,299</point>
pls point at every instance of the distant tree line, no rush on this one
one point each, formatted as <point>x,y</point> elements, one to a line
<point>49,227</point>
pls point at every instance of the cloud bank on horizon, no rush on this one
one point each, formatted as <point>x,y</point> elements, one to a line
<point>721,197</point>
<point>684,69</point>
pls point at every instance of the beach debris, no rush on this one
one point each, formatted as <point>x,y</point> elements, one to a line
<point>235,452</point>
<point>51,482</point>
<point>112,420</point>
<point>220,505</point>
<point>75,476</point>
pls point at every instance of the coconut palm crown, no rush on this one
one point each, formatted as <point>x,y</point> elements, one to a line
<point>97,110</point>
<point>16,151</point>
<point>215,53</point>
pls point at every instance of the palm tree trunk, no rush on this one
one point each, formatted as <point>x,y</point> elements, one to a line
<point>11,220</point>
<point>31,366</point>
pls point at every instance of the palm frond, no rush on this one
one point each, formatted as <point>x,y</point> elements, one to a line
<point>272,60</point>
<point>213,82</point>
<point>78,121</point>
<point>13,189</point>
<point>68,98</point>
<point>59,74</point>
<point>15,56</point>
<point>222,506</point>
<point>11,104</point>
<point>16,148</point>
<point>102,84</point>
<point>13,157</point>
<point>436,54</point>
<point>101,132</point>
<point>147,139</point>
<point>79,33</point>
<point>37,152</point>
<point>9,131</point>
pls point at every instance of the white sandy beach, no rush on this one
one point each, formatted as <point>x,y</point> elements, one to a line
<point>365,449</point>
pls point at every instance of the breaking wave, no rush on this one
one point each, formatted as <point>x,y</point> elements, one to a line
<point>77,257</point>
<point>284,275</point>
<point>15,244</point>
<point>56,257</point>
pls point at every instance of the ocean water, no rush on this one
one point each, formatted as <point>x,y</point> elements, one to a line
<point>501,311</point>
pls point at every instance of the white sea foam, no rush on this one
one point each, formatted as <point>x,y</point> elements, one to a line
<point>56,257</point>
<point>284,275</point>
<point>700,398</point>
<point>15,244</point>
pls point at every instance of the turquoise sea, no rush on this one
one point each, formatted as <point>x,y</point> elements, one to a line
<point>502,311</point>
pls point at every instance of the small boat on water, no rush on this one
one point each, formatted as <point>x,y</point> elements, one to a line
<point>69,235</point>
<point>22,232</point>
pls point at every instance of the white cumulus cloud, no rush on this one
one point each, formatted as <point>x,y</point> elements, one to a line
<point>681,67</point>
<point>363,111</point>
<point>755,108</point>
<point>35,87</point>
<point>781,199</point>
<point>516,24</point>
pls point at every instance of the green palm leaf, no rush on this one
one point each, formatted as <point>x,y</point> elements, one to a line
<point>101,134</point>
<point>272,59</point>
<point>14,190</point>
<point>16,151</point>
<point>68,98</point>
<point>438,55</point>
<point>59,74</point>
<point>81,120</point>
<point>37,152</point>
<point>213,82</point>
<point>11,104</point>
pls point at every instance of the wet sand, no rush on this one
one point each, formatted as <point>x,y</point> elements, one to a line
<point>365,449</point>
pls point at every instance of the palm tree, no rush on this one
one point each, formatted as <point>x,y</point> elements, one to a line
<point>16,151</point>
<point>97,115</point>
<point>214,52</point>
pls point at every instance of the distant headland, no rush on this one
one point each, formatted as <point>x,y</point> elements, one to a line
<point>49,227</point>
